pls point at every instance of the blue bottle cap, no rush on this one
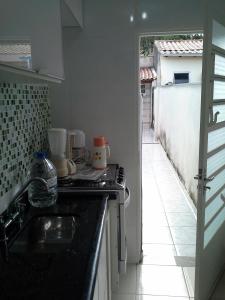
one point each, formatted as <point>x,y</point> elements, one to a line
<point>40,155</point>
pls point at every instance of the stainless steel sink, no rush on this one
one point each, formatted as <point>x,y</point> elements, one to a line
<point>46,234</point>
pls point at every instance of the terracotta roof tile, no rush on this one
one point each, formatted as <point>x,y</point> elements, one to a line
<point>15,49</point>
<point>180,47</point>
<point>148,74</point>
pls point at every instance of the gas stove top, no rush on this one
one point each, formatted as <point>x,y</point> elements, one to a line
<point>112,180</point>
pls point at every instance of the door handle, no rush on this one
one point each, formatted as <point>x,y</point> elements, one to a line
<point>209,179</point>
<point>212,117</point>
<point>206,179</point>
<point>207,187</point>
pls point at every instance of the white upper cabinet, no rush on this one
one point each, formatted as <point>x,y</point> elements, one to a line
<point>31,34</point>
<point>72,14</point>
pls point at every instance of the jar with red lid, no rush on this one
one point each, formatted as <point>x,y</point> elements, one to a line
<point>101,153</point>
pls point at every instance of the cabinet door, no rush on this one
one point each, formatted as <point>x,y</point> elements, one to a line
<point>37,23</point>
<point>102,269</point>
<point>105,264</point>
<point>103,280</point>
<point>96,296</point>
<point>114,221</point>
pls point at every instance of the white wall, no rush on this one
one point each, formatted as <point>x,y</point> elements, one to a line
<point>170,65</point>
<point>146,113</point>
<point>76,8</point>
<point>100,93</point>
<point>40,23</point>
<point>177,121</point>
<point>146,61</point>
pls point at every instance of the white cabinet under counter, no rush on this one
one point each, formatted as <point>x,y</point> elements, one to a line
<point>113,255</point>
<point>103,279</point>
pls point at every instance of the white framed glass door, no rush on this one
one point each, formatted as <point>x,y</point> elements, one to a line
<point>210,252</point>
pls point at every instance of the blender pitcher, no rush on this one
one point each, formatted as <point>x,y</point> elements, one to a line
<point>76,148</point>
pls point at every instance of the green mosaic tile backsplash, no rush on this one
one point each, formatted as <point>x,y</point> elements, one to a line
<point>24,120</point>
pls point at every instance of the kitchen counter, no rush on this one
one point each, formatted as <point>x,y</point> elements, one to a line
<point>67,274</point>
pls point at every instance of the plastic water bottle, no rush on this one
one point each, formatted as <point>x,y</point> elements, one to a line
<point>38,195</point>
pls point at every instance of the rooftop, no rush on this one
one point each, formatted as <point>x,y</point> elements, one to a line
<point>147,74</point>
<point>180,47</point>
<point>15,49</point>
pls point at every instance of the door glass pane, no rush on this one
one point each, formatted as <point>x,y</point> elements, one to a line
<point>219,65</point>
<point>214,227</point>
<point>221,110</point>
<point>215,162</point>
<point>219,90</point>
<point>213,208</point>
<point>216,138</point>
<point>215,185</point>
<point>218,35</point>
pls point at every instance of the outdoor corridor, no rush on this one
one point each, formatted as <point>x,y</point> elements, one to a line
<point>169,234</point>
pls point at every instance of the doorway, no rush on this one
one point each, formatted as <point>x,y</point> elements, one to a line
<point>169,212</point>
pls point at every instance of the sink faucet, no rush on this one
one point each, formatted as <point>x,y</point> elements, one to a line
<point>4,223</point>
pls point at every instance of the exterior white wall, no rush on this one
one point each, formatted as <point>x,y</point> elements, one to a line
<point>146,113</point>
<point>177,123</point>
<point>146,95</point>
<point>101,94</point>
<point>146,61</point>
<point>170,65</point>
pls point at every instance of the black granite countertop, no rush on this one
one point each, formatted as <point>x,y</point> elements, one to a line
<point>66,274</point>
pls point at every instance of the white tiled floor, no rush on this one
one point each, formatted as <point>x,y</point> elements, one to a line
<point>147,135</point>
<point>169,233</point>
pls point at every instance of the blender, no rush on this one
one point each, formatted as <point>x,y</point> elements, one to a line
<point>76,148</point>
<point>57,138</point>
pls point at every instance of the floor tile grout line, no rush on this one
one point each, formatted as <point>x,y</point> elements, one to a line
<point>164,210</point>
<point>161,199</point>
<point>182,188</point>
<point>165,214</point>
<point>157,186</point>
<point>185,281</point>
<point>184,297</point>
<point>169,245</point>
<point>152,295</point>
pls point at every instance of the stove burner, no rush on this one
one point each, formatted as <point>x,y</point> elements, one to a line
<point>112,179</point>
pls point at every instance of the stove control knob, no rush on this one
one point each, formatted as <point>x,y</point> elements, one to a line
<point>121,176</point>
<point>120,180</point>
<point>121,170</point>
